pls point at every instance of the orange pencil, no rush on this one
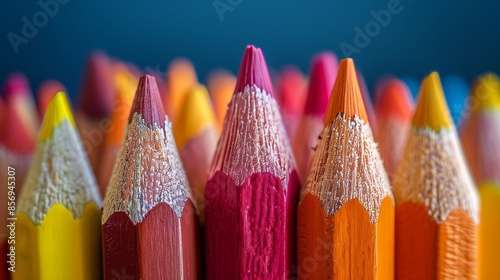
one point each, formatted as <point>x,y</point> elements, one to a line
<point>291,97</point>
<point>323,72</point>
<point>45,92</point>
<point>181,77</point>
<point>126,85</point>
<point>220,85</point>
<point>196,136</point>
<point>480,138</point>
<point>95,105</point>
<point>437,205</point>
<point>346,211</point>
<point>394,111</point>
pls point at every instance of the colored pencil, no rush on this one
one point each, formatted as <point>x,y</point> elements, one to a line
<point>346,210</point>
<point>46,92</point>
<point>322,76</point>
<point>437,206</point>
<point>251,192</point>
<point>196,136</point>
<point>456,91</point>
<point>394,110</point>
<point>181,77</point>
<point>370,111</point>
<point>220,85</point>
<point>95,105</point>
<point>58,212</point>
<point>148,222</point>
<point>126,85</point>
<point>4,259</point>
<point>17,136</point>
<point>413,84</point>
<point>291,97</point>
<point>480,136</point>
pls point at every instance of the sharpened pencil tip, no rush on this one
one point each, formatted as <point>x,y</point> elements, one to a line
<point>346,96</point>
<point>57,111</point>
<point>147,102</point>
<point>323,72</point>
<point>253,71</point>
<point>486,93</point>
<point>432,110</point>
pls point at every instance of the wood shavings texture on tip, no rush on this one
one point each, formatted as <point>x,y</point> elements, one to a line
<point>253,139</point>
<point>148,171</point>
<point>347,165</point>
<point>433,172</point>
<point>61,174</point>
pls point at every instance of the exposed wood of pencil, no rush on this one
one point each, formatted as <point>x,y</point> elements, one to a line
<point>480,136</point>
<point>251,192</point>
<point>394,110</point>
<point>221,86</point>
<point>181,77</point>
<point>126,85</point>
<point>322,76</point>
<point>196,136</point>
<point>437,206</point>
<point>149,221</point>
<point>58,212</point>
<point>346,211</point>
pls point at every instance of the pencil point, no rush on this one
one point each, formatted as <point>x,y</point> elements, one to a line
<point>394,100</point>
<point>432,111</point>
<point>16,84</point>
<point>57,111</point>
<point>253,71</point>
<point>346,96</point>
<point>486,92</point>
<point>323,72</point>
<point>147,102</point>
<point>196,114</point>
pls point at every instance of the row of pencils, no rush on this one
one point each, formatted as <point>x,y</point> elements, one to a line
<point>164,179</point>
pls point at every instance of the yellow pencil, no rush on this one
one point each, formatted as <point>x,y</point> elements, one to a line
<point>58,219</point>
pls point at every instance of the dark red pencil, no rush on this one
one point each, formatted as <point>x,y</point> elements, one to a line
<point>251,194</point>
<point>149,223</point>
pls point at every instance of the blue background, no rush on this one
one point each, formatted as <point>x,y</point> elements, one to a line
<point>448,36</point>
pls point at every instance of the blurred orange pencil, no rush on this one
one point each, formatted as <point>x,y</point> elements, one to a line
<point>291,97</point>
<point>394,110</point>
<point>181,77</point>
<point>221,85</point>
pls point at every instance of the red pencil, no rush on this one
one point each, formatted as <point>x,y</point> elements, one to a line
<point>251,194</point>
<point>45,92</point>
<point>323,72</point>
<point>291,97</point>
<point>149,222</point>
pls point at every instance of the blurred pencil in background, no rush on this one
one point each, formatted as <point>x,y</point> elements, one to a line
<point>19,122</point>
<point>58,234</point>
<point>480,140</point>
<point>394,111</point>
<point>252,187</point>
<point>346,210</point>
<point>196,137</point>
<point>365,95</point>
<point>456,91</point>
<point>437,206</point>
<point>221,85</point>
<point>126,85</point>
<point>149,222</point>
<point>291,97</point>
<point>181,77</point>
<point>95,105</point>
<point>46,92</point>
<point>322,76</point>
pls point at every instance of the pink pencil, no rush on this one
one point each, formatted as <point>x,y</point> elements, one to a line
<point>251,194</point>
<point>323,72</point>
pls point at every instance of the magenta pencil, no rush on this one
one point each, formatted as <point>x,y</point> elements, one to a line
<point>251,194</point>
